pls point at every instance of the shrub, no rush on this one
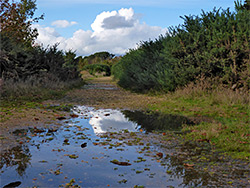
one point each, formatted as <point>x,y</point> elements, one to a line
<point>213,46</point>
<point>97,68</point>
<point>19,62</point>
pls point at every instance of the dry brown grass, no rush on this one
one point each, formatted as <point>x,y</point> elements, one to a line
<point>216,93</point>
<point>33,87</point>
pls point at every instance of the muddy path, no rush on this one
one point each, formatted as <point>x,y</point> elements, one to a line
<point>104,93</point>
<point>87,148</point>
<point>99,92</point>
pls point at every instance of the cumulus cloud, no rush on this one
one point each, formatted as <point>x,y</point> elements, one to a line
<point>48,35</point>
<point>114,20</point>
<point>63,23</point>
<point>112,31</point>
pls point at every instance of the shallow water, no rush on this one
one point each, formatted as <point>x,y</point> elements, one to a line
<point>78,153</point>
<point>156,121</point>
<point>100,87</point>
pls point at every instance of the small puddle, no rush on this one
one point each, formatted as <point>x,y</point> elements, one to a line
<point>81,153</point>
<point>100,86</point>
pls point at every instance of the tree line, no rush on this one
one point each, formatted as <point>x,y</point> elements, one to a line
<point>99,62</point>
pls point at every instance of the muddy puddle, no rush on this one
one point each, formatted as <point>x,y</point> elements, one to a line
<point>97,148</point>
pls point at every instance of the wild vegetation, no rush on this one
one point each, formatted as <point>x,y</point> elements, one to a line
<point>100,62</point>
<point>27,69</point>
<point>213,46</point>
<point>202,68</point>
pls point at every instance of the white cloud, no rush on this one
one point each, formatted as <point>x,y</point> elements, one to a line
<point>124,18</point>
<point>63,23</point>
<point>48,35</point>
<point>115,32</point>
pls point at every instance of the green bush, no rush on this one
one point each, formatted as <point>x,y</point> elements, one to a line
<point>97,58</point>
<point>98,68</point>
<point>19,62</point>
<point>212,46</point>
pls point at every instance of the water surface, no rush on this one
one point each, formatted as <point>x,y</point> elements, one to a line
<point>78,153</point>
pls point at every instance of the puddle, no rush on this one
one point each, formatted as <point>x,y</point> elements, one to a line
<point>100,86</point>
<point>80,153</point>
<point>157,121</point>
<point>107,120</point>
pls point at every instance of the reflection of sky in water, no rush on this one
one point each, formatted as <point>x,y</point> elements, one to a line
<point>46,160</point>
<point>106,120</point>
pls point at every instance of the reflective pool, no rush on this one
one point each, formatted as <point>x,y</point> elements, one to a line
<point>81,153</point>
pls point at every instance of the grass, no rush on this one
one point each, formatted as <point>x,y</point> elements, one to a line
<point>18,96</point>
<point>34,89</point>
<point>228,111</point>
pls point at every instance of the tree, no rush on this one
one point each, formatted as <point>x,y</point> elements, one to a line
<point>97,58</point>
<point>16,19</point>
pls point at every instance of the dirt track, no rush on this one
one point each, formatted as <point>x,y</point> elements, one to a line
<point>104,93</point>
<point>100,93</point>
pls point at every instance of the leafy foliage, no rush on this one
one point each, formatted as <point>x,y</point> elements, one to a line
<point>98,68</point>
<point>98,63</point>
<point>96,58</point>
<point>17,18</point>
<point>20,60</point>
<point>214,45</point>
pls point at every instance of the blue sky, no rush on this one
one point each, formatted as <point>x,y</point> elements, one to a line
<point>88,26</point>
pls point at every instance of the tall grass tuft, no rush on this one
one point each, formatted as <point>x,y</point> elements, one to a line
<point>35,88</point>
<point>217,93</point>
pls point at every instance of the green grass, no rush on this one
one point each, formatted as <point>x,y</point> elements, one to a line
<point>227,112</point>
<point>230,137</point>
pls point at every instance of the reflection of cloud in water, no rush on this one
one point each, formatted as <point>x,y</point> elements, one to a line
<point>115,122</point>
<point>107,120</point>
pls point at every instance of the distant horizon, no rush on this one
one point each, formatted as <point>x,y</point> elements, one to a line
<point>94,26</point>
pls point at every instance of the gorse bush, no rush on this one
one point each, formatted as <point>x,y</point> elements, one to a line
<point>143,68</point>
<point>212,45</point>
